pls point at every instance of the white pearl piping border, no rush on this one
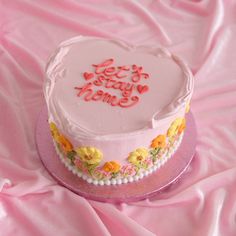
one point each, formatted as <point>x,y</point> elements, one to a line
<point>125,180</point>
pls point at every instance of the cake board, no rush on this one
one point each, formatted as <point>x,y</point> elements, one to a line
<point>147,187</point>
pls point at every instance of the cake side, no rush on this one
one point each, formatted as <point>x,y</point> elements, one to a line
<point>86,162</point>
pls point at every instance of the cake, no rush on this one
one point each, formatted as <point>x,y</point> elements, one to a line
<point>116,111</point>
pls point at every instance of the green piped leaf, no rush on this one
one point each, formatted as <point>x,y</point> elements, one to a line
<point>114,175</point>
<point>91,167</point>
<point>154,152</point>
<point>71,156</point>
<point>59,147</point>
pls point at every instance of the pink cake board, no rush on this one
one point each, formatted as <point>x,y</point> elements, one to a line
<point>145,188</point>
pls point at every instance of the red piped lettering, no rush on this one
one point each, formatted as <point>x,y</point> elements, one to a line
<point>109,77</point>
<point>98,95</point>
<point>124,102</point>
<point>122,69</point>
<point>98,68</point>
<point>138,74</point>
<point>99,80</point>
<point>85,89</point>
<point>109,83</point>
<point>128,90</point>
<point>109,71</point>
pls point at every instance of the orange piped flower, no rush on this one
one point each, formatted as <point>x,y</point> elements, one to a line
<point>182,126</point>
<point>111,166</point>
<point>65,143</point>
<point>159,141</point>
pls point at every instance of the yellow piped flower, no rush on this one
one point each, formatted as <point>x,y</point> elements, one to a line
<point>111,166</point>
<point>64,143</point>
<point>174,127</point>
<point>159,141</point>
<point>54,131</point>
<point>138,156</point>
<point>187,109</point>
<point>89,155</point>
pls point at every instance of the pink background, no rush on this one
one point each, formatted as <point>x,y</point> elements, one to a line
<point>201,32</point>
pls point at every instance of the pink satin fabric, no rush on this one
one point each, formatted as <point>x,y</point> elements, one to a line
<point>203,202</point>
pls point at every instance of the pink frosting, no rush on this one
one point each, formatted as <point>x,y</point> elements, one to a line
<point>115,130</point>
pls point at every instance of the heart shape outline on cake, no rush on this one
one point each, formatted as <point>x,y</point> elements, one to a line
<point>142,88</point>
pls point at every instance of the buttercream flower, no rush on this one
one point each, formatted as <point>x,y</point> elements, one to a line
<point>148,163</point>
<point>99,173</point>
<point>80,165</point>
<point>89,155</point>
<point>182,126</point>
<point>174,127</point>
<point>54,131</point>
<point>64,143</point>
<point>187,109</point>
<point>128,170</point>
<point>138,156</point>
<point>159,141</point>
<point>111,166</point>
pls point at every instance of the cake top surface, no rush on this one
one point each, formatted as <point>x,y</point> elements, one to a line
<point>102,86</point>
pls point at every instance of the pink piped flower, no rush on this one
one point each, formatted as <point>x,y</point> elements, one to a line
<point>80,165</point>
<point>148,163</point>
<point>99,173</point>
<point>128,170</point>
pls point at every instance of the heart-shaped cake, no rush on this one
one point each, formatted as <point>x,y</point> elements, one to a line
<point>116,111</point>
